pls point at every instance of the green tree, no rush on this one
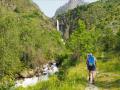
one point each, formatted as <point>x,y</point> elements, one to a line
<point>81,40</point>
<point>106,41</point>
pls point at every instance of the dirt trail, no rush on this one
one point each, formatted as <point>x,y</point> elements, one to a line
<point>91,87</point>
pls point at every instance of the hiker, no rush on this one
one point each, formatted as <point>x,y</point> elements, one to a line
<point>91,66</point>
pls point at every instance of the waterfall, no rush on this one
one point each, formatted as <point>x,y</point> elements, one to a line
<point>58,28</point>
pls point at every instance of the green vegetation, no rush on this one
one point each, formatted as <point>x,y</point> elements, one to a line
<point>82,41</point>
<point>27,40</point>
<point>73,72</point>
<point>76,78</point>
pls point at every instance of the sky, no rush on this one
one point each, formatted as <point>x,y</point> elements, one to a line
<point>49,7</point>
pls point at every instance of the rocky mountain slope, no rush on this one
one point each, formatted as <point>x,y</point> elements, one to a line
<point>68,6</point>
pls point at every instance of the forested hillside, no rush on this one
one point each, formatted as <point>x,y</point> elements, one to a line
<point>28,39</point>
<point>101,15</point>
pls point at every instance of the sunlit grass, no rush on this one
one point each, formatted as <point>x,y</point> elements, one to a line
<point>75,78</point>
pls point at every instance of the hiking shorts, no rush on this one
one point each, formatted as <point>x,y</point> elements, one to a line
<point>92,68</point>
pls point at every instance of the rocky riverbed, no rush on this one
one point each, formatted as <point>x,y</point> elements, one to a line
<point>47,70</point>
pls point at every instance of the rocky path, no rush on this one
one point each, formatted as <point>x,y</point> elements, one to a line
<point>91,87</point>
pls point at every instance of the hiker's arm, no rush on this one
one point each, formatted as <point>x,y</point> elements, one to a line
<point>95,61</point>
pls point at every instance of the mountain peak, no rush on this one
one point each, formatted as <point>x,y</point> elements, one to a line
<point>68,6</point>
<point>74,3</point>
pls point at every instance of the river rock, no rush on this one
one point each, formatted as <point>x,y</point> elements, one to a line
<point>27,73</point>
<point>31,73</point>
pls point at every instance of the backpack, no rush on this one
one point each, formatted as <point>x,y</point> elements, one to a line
<point>91,61</point>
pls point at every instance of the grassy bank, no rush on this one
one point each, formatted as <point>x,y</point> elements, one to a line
<point>75,78</point>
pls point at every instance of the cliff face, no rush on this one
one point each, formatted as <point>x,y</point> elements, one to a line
<point>74,3</point>
<point>68,6</point>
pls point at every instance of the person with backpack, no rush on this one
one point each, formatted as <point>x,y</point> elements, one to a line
<point>91,66</point>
